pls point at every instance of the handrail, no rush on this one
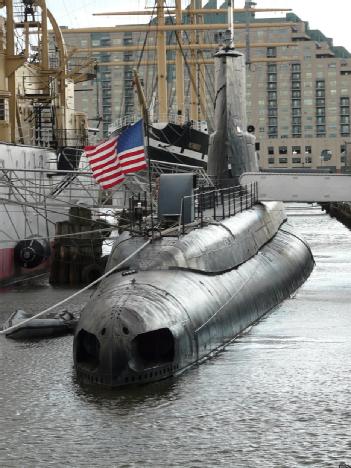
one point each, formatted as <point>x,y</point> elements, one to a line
<point>218,204</point>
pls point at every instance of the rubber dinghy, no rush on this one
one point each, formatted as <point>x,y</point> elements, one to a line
<point>62,323</point>
<point>181,300</point>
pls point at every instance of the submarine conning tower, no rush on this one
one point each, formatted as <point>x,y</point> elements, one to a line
<point>232,147</point>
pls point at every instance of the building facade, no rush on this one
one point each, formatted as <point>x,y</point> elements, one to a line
<point>298,86</point>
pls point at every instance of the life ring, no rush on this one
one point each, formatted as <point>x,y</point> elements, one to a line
<point>29,253</point>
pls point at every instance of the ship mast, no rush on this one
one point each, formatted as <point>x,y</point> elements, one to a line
<point>34,82</point>
<point>179,65</point>
<point>161,62</point>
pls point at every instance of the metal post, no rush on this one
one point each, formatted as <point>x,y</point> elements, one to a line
<point>214,204</point>
<point>182,216</point>
<point>202,208</point>
<point>229,194</point>
<point>223,210</point>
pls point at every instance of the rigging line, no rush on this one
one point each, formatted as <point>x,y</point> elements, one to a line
<point>48,197</point>
<point>63,236</point>
<point>11,221</point>
<point>22,280</point>
<point>191,77</point>
<point>116,267</point>
<point>48,210</point>
<point>6,177</point>
<point>145,39</point>
<point>66,204</point>
<point>23,204</point>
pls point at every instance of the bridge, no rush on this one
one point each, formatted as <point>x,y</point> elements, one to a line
<point>300,187</point>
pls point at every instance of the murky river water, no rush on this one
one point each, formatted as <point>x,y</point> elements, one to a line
<point>279,396</point>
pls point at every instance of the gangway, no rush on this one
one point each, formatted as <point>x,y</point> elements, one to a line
<point>300,187</point>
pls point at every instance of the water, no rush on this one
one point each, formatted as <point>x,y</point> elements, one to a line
<point>277,397</point>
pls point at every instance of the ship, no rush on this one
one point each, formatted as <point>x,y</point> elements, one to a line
<point>182,285</point>
<point>41,138</point>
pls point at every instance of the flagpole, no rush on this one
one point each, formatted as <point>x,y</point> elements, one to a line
<point>145,113</point>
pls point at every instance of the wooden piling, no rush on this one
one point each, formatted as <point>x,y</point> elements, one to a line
<point>78,257</point>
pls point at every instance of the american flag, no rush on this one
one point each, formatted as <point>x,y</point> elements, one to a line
<point>112,159</point>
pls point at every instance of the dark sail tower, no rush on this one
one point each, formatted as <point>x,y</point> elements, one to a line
<point>232,147</point>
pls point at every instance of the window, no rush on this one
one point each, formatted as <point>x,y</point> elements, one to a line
<point>272,112</point>
<point>296,94</point>
<point>344,101</point>
<point>271,51</point>
<point>272,95</point>
<point>272,86</point>
<point>308,149</point>
<point>296,120</point>
<point>270,149</point>
<point>296,130</point>
<point>296,112</point>
<point>320,102</point>
<point>296,85</point>
<point>273,121</point>
<point>320,93</point>
<point>320,120</point>
<point>283,160</point>
<point>296,149</point>
<point>271,160</point>
<point>296,76</point>
<point>272,67</point>
<point>345,119</point>
<point>3,109</point>
<point>320,84</point>
<point>345,129</point>
<point>308,160</point>
<point>320,129</point>
<point>295,67</point>
<point>296,160</point>
<point>283,150</point>
<point>296,103</point>
<point>326,155</point>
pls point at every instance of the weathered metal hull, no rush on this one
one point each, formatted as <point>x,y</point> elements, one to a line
<point>155,323</point>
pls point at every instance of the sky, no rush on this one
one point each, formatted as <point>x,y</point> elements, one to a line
<point>331,18</point>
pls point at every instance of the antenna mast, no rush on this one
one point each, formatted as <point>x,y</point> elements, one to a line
<point>230,32</point>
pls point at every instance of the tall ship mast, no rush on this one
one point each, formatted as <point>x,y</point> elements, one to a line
<point>41,137</point>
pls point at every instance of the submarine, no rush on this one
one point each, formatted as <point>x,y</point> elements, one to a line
<point>177,296</point>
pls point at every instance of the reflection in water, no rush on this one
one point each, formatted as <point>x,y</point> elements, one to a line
<point>278,396</point>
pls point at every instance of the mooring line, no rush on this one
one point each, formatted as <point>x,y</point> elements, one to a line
<point>14,327</point>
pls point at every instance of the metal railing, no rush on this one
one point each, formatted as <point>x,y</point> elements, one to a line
<point>217,204</point>
<point>205,206</point>
<point>129,119</point>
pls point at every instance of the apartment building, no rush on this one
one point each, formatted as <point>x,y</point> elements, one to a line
<point>298,86</point>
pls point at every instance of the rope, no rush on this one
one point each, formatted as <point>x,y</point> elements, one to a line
<point>14,327</point>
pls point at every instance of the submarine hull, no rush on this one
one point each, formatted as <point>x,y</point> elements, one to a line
<point>152,324</point>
